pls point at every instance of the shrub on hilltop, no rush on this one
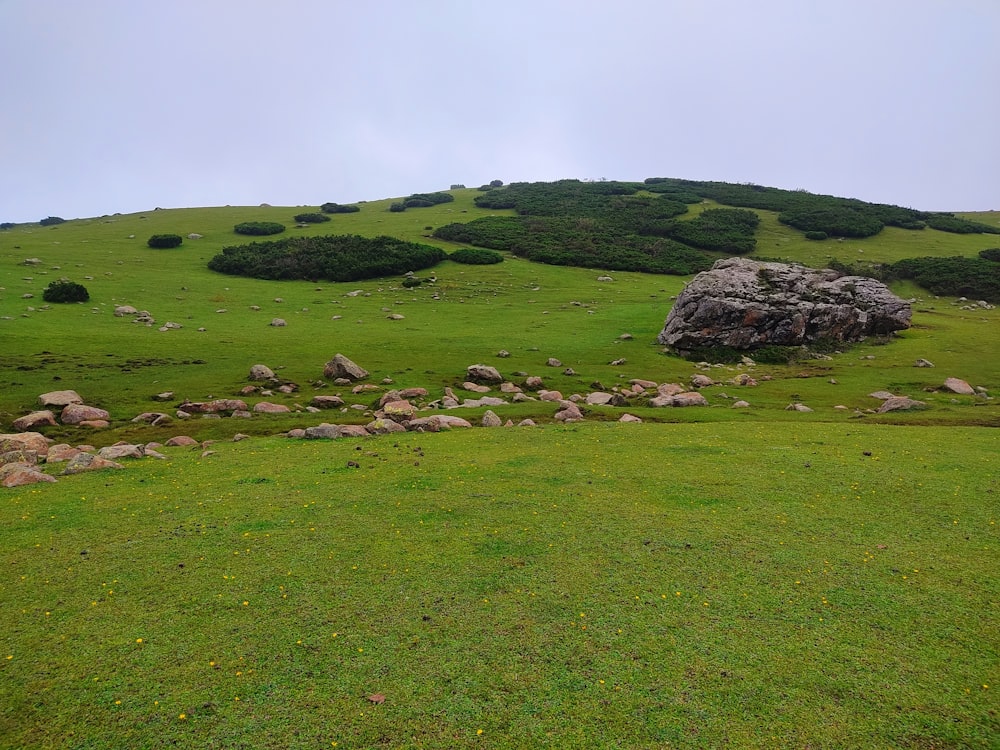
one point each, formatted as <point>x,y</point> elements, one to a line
<point>337,208</point>
<point>51,221</point>
<point>259,228</point>
<point>165,240</point>
<point>65,290</point>
<point>326,257</point>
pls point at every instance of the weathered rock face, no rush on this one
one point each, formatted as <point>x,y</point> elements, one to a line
<point>746,304</point>
<point>341,367</point>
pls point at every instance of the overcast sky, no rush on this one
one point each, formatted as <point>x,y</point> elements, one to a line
<point>124,105</point>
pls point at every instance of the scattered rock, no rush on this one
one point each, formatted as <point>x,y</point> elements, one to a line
<point>342,367</point>
<point>33,420</point>
<point>629,418</point>
<point>116,452</point>
<point>923,363</point>
<point>278,322</point>
<point>490,419</point>
<point>881,395</point>
<point>20,474</point>
<point>484,374</point>
<point>265,407</point>
<point>60,398</point>
<point>954,385</point>
<point>900,403</point>
<point>261,372</point>
<point>701,381</point>
<point>553,362</point>
<point>327,402</point>
<point>181,440</point>
<point>89,462</point>
<point>740,404</point>
<point>77,413</point>
<point>797,407</point>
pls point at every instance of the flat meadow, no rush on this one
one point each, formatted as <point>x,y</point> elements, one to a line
<point>712,577</point>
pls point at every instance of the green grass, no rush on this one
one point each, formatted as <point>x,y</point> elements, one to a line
<point>726,585</point>
<point>454,568</point>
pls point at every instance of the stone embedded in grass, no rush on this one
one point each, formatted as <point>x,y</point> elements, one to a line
<point>630,418</point>
<point>955,385</point>
<point>701,381</point>
<point>115,452</point>
<point>327,402</point>
<point>923,363</point>
<point>60,398</point>
<point>265,407</point>
<point>490,419</point>
<point>684,398</point>
<point>881,395</point>
<point>553,362</point>
<point>181,440</point>
<point>20,474</point>
<point>740,405</point>
<point>797,407</point>
<point>483,374</point>
<point>278,323</point>
<point>89,462</point>
<point>342,367</point>
<point>77,413</point>
<point>35,419</point>
<point>900,403</point>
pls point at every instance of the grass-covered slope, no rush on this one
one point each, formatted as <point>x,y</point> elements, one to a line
<point>713,585</point>
<point>714,577</point>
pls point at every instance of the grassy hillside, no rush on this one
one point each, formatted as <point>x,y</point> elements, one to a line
<point>714,577</point>
<point>525,308</point>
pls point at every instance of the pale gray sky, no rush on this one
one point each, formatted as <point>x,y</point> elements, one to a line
<point>123,105</point>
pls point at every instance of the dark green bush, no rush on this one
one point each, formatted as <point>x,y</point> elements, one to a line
<point>959,276</point>
<point>951,223</point>
<point>727,230</point>
<point>337,208</point>
<point>457,186</point>
<point>816,235</point>
<point>165,240</point>
<point>496,183</point>
<point>397,207</point>
<point>410,282</point>
<point>51,221</point>
<point>990,253</point>
<point>259,228</point>
<point>7,225</point>
<point>65,290</point>
<point>476,256</point>
<point>326,257</point>
<point>425,200</point>
<point>311,218</point>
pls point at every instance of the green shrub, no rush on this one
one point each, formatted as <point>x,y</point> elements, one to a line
<point>7,225</point>
<point>496,183</point>
<point>476,256</point>
<point>397,207</point>
<point>426,200</point>
<point>326,257</point>
<point>51,221</point>
<point>816,235</point>
<point>727,230</point>
<point>457,186</point>
<point>311,218</point>
<point>990,253</point>
<point>959,276</point>
<point>65,290</point>
<point>950,223</point>
<point>259,228</point>
<point>337,208</point>
<point>165,240</point>
<point>410,282</point>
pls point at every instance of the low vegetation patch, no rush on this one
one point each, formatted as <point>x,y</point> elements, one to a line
<point>476,256</point>
<point>259,228</point>
<point>50,221</point>
<point>311,218</point>
<point>337,208</point>
<point>330,257</point>
<point>165,240</point>
<point>65,290</point>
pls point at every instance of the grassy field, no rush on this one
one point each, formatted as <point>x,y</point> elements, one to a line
<point>711,578</point>
<point>723,585</point>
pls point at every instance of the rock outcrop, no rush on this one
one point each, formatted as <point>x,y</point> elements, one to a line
<point>746,304</point>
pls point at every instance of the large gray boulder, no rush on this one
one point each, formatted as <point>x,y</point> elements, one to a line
<point>746,304</point>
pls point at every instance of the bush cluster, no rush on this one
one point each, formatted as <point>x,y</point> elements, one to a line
<point>65,290</point>
<point>337,208</point>
<point>977,278</point>
<point>476,256</point>
<point>990,253</point>
<point>7,225</point>
<point>328,257</point>
<point>727,230</point>
<point>817,236</point>
<point>259,228</point>
<point>165,240</point>
<point>809,212</point>
<point>51,221</point>
<point>311,218</point>
<point>422,200</point>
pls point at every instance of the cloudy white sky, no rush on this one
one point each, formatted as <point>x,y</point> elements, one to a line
<point>123,105</point>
